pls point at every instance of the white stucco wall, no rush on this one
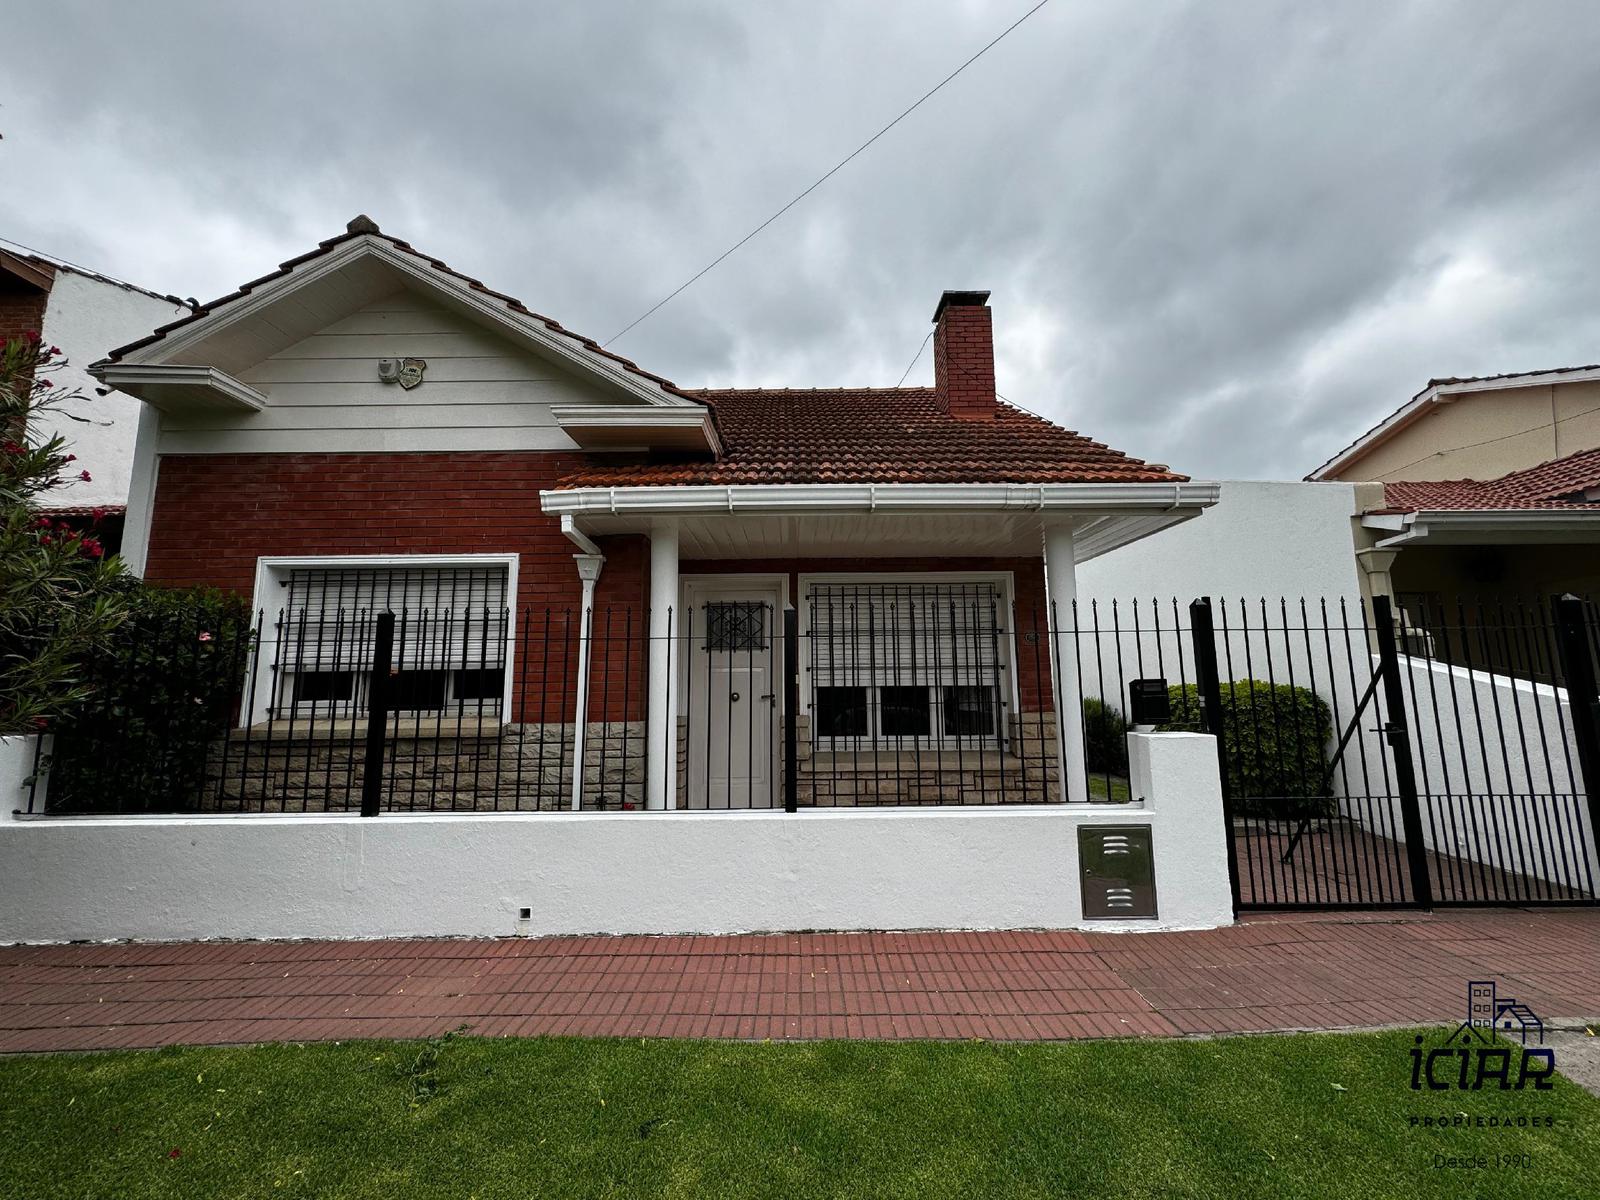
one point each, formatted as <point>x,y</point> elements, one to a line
<point>1259,539</point>
<point>1527,812</point>
<point>676,872</point>
<point>87,318</point>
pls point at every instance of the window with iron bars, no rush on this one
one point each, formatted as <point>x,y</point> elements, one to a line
<point>452,627</point>
<point>914,663</point>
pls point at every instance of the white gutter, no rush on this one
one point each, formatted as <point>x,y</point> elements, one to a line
<point>1419,526</point>
<point>1081,498</point>
<point>580,539</point>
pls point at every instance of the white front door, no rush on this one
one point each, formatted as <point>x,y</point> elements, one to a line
<point>733,668</point>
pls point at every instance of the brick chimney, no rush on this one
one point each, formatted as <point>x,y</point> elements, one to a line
<point>963,356</point>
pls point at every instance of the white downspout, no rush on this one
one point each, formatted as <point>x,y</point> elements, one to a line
<point>588,575</point>
<point>589,563</point>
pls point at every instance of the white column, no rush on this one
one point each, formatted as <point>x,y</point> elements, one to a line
<point>661,722</point>
<point>588,575</point>
<point>1061,589</point>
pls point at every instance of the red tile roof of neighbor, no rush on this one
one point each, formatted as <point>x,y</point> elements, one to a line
<point>1557,484</point>
<point>872,435</point>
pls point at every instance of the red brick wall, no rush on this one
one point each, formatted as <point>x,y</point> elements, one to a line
<point>214,515</point>
<point>963,362</point>
<point>1033,667</point>
<point>21,307</point>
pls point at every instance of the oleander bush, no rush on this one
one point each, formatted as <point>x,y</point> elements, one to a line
<point>159,699</point>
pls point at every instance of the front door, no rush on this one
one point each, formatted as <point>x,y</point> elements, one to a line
<point>733,671</point>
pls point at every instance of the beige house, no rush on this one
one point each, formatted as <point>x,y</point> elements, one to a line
<point>1482,490</point>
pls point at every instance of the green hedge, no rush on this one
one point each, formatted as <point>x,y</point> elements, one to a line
<point>1105,738</point>
<point>160,698</point>
<point>1275,741</point>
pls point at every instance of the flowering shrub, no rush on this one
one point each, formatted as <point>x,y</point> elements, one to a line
<point>162,697</point>
<point>59,599</point>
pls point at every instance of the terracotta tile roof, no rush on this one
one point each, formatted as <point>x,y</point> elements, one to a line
<point>888,435</point>
<point>1557,484</point>
<point>84,510</point>
<point>364,227</point>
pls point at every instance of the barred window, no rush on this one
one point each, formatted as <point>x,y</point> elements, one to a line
<point>907,663</point>
<point>452,626</point>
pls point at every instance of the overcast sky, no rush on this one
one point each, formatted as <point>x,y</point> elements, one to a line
<point>1227,236</point>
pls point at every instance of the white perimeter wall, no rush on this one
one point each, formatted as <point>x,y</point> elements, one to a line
<point>1507,799</point>
<point>1259,539</point>
<point>87,318</point>
<point>470,874</point>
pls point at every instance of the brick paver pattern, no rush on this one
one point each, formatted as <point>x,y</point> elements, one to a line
<point>1281,972</point>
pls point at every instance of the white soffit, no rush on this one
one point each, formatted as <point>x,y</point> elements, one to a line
<point>638,427</point>
<point>179,387</point>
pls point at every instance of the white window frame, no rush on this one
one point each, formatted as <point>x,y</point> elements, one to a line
<point>1005,583</point>
<point>272,571</point>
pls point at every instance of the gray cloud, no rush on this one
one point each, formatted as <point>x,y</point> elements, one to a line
<point>1228,237</point>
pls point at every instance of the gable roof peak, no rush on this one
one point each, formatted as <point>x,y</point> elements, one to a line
<point>362,223</point>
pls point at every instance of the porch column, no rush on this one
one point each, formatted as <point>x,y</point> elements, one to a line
<point>661,703</point>
<point>1061,589</point>
<point>588,575</point>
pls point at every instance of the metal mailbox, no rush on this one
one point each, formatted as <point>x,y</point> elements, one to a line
<point>1149,702</point>
<point>1118,871</point>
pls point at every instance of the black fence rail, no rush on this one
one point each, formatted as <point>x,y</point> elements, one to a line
<point>1372,760</point>
<point>1369,757</point>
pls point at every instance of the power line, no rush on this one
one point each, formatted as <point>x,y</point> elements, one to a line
<point>914,357</point>
<point>834,170</point>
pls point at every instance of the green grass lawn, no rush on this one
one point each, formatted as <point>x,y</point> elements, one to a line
<point>1117,791</point>
<point>1312,1115</point>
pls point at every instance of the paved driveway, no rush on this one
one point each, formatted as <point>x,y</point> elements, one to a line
<point>1285,972</point>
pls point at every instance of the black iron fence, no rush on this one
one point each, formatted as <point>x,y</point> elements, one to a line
<point>1367,759</point>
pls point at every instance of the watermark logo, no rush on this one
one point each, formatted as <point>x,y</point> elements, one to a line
<point>1472,1058</point>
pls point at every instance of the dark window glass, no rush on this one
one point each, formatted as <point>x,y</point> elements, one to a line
<point>904,712</point>
<point>841,712</point>
<point>416,691</point>
<point>315,687</point>
<point>479,683</point>
<point>968,711</point>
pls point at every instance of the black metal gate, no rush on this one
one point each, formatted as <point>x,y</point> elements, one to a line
<point>1460,740</point>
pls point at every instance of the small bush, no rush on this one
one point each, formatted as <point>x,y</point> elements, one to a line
<point>1105,738</point>
<point>1275,742</point>
<point>160,697</point>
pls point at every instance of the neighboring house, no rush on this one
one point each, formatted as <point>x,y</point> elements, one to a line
<point>365,428</point>
<point>1480,491</point>
<point>85,315</point>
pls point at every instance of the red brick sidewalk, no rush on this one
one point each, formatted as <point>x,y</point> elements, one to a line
<point>1279,973</point>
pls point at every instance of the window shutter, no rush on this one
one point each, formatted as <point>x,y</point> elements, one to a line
<point>444,617</point>
<point>882,634</point>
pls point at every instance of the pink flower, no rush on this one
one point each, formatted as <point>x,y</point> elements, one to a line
<point>85,476</point>
<point>98,512</point>
<point>41,722</point>
<point>15,448</point>
<point>70,458</point>
<point>55,350</point>
<point>205,637</point>
<point>31,335</point>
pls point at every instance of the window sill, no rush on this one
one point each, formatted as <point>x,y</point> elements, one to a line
<point>337,729</point>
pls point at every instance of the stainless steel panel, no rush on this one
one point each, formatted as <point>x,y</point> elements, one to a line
<point>1117,868</point>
